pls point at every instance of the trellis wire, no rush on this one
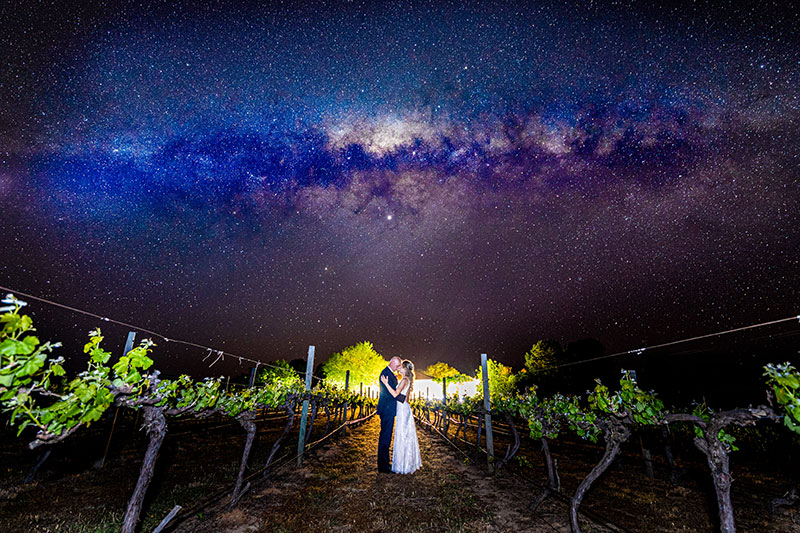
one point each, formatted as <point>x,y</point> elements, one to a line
<point>220,353</point>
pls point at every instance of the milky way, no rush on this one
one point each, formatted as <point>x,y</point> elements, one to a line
<point>439,178</point>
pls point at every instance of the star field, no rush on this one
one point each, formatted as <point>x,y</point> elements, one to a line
<point>439,178</point>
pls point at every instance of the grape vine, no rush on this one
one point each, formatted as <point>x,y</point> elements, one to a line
<point>37,393</point>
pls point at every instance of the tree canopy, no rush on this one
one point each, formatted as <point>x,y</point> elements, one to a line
<point>543,356</point>
<point>440,370</point>
<point>279,370</point>
<point>363,362</point>
<point>502,380</point>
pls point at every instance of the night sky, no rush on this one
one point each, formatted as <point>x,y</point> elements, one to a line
<point>440,178</point>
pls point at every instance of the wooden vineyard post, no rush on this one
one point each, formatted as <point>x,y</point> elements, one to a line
<point>346,403</point>
<point>129,342</point>
<point>487,416</point>
<point>444,405</point>
<point>128,348</point>
<point>253,376</point>
<point>444,402</point>
<point>360,400</point>
<point>301,440</point>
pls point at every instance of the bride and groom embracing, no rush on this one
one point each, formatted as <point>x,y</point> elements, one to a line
<point>393,403</point>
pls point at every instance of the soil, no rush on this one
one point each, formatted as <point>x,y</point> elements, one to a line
<point>625,498</point>
<point>338,489</point>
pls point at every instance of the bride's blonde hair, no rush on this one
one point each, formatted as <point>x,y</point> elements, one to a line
<point>408,372</point>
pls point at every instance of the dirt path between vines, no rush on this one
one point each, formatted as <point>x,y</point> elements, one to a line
<point>339,489</point>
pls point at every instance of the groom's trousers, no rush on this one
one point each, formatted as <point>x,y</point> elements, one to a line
<point>384,440</point>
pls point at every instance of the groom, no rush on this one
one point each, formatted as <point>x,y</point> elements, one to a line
<point>387,407</point>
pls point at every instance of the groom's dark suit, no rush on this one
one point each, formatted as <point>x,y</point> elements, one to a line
<point>387,408</point>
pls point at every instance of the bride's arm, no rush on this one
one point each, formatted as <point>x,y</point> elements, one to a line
<point>392,391</point>
<point>401,386</point>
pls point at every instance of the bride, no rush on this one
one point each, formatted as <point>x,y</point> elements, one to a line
<point>405,457</point>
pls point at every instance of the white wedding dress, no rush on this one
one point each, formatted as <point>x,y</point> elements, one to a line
<point>405,456</point>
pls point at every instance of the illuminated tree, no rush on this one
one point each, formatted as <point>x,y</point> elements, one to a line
<point>542,358</point>
<point>363,362</point>
<point>502,380</point>
<point>279,371</point>
<point>440,370</point>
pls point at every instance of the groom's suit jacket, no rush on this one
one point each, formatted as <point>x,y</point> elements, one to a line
<point>387,404</point>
